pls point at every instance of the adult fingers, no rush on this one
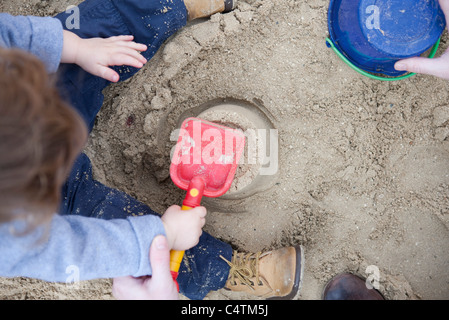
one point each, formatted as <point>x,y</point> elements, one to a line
<point>135,46</point>
<point>125,288</point>
<point>438,67</point>
<point>161,280</point>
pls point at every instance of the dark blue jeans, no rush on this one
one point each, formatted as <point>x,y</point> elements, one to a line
<point>149,21</point>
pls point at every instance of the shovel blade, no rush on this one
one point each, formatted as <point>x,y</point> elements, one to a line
<point>209,151</point>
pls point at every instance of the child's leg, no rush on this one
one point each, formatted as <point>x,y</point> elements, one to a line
<point>203,270</point>
<point>82,195</point>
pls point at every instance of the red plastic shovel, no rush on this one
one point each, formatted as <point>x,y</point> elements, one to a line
<point>204,163</point>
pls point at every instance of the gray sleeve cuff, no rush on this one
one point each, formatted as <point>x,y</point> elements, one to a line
<point>46,41</point>
<point>146,228</point>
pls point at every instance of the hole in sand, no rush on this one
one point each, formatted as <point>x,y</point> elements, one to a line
<point>260,151</point>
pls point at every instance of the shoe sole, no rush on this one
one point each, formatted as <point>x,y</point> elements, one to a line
<point>296,290</point>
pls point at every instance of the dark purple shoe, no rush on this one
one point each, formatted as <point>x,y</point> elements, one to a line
<point>347,286</point>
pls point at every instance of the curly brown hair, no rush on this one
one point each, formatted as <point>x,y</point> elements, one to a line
<point>40,137</point>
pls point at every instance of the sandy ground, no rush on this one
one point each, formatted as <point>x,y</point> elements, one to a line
<point>363,176</point>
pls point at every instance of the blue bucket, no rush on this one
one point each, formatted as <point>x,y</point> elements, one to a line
<point>374,34</point>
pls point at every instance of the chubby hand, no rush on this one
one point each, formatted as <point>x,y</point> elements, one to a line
<point>158,286</point>
<point>183,227</point>
<point>438,67</point>
<point>95,55</point>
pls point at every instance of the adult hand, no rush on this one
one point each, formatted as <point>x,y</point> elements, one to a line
<point>159,286</point>
<point>438,67</point>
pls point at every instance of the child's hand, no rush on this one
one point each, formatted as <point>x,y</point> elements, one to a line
<point>95,55</point>
<point>183,227</point>
<point>438,67</point>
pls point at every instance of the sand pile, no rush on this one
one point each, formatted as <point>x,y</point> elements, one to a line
<point>362,180</point>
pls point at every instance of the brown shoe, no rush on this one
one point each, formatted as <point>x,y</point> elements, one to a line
<point>347,286</point>
<point>205,8</point>
<point>272,275</point>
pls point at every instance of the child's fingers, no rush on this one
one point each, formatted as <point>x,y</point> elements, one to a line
<point>135,46</point>
<point>133,53</point>
<point>126,41</point>
<point>121,38</point>
<point>201,211</point>
<point>125,59</point>
<point>107,73</point>
<point>127,288</point>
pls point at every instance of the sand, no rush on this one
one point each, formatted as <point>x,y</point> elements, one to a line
<point>363,166</point>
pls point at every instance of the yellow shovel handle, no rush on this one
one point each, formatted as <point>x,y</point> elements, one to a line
<point>176,256</point>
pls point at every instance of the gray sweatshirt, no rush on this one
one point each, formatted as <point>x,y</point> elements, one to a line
<point>72,247</point>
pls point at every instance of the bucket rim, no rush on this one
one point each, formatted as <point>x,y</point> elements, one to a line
<point>334,43</point>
